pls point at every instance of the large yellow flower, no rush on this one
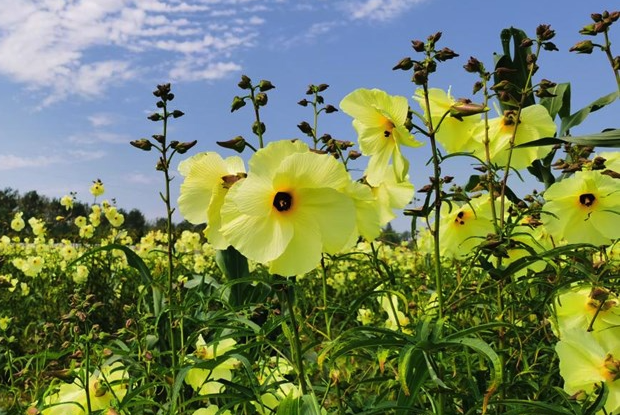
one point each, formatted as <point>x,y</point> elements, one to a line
<point>464,228</point>
<point>535,122</point>
<point>205,381</point>
<point>586,208</point>
<point>392,194</point>
<point>379,120</point>
<point>292,207</point>
<point>453,134</point>
<point>103,388</point>
<point>590,358</point>
<point>578,306</point>
<point>207,180</point>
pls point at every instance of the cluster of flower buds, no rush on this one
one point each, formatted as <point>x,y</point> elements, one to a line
<point>601,22</point>
<point>422,69</point>
<point>316,102</point>
<point>258,98</point>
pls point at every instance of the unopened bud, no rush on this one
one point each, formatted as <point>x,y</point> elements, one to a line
<point>420,77</point>
<point>245,83</point>
<point>258,128</point>
<point>477,87</point>
<point>614,16</point>
<point>445,54</point>
<point>159,138</point>
<point>501,86</point>
<point>465,109</point>
<point>550,46</point>
<point>155,117</point>
<point>330,108</point>
<point>417,45</point>
<point>588,30</point>
<point>183,147</point>
<point>303,103</point>
<point>526,43</point>
<point>261,99</point>
<point>305,128</point>
<point>326,138</point>
<point>265,85</point>
<point>354,154</point>
<point>404,64</point>
<point>602,26</point>
<point>544,32</point>
<point>597,17</point>
<point>237,144</point>
<point>142,144</point>
<point>434,38</point>
<point>174,144</point>
<point>237,103</point>
<point>322,87</point>
<point>473,65</point>
<point>177,114</point>
<point>169,97</point>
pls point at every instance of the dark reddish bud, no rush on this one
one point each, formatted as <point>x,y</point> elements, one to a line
<point>330,108</point>
<point>602,26</point>
<point>417,45</point>
<point>445,54</point>
<point>159,138</point>
<point>404,64</point>
<point>353,154</point>
<point>183,147</point>
<point>501,71</point>
<point>550,46</point>
<point>526,43</point>
<point>177,114</point>
<point>142,144</point>
<point>237,144</point>
<point>160,104</point>
<point>473,65</point>
<point>434,38</point>
<point>477,87</point>
<point>303,103</point>
<point>597,17</point>
<point>420,77</point>
<point>501,86</point>
<point>544,32</point>
<point>305,128</point>
<point>155,117</point>
<point>321,87</point>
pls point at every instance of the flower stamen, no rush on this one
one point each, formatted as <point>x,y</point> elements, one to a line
<point>587,199</point>
<point>282,201</point>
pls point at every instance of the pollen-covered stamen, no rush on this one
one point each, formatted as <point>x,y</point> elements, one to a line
<point>587,199</point>
<point>282,201</point>
<point>459,218</point>
<point>386,134</point>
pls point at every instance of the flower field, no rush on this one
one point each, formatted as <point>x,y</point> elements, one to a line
<point>289,294</point>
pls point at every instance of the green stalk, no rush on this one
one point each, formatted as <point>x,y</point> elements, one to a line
<point>297,350</point>
<point>257,115</point>
<point>610,57</point>
<point>324,282</point>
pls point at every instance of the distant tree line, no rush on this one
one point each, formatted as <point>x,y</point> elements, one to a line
<point>60,221</point>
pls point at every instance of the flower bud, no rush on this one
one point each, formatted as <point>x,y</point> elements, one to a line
<point>319,99</point>
<point>303,103</point>
<point>477,87</point>
<point>160,104</point>
<point>142,144</point>
<point>258,128</point>
<point>501,86</point>
<point>417,45</point>
<point>161,165</point>
<point>237,144</point>
<point>174,144</point>
<point>354,154</point>
<point>322,87</point>
<point>526,43</point>
<point>445,54</point>
<point>588,30</point>
<point>544,32</point>
<point>261,99</point>
<point>330,108</point>
<point>237,103</point>
<point>305,128</point>
<point>265,85</point>
<point>155,117</point>
<point>177,114</point>
<point>614,16</point>
<point>602,26</point>
<point>326,138</point>
<point>420,77</point>
<point>597,17</point>
<point>183,147</point>
<point>473,65</point>
<point>170,97</point>
<point>245,83</point>
<point>466,108</point>
<point>404,64</point>
<point>550,46</point>
<point>434,38</point>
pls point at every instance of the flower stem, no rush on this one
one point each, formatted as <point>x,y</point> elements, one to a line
<point>297,351</point>
<point>607,50</point>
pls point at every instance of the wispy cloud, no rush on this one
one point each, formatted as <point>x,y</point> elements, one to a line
<point>80,47</point>
<point>378,10</point>
<point>101,120</point>
<point>84,155</point>
<point>13,162</point>
<point>139,178</point>
<point>94,137</point>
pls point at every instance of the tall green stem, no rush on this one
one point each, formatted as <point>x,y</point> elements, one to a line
<point>297,350</point>
<point>610,57</point>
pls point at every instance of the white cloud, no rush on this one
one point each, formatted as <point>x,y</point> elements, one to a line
<point>380,10</point>
<point>12,162</point>
<point>84,155</point>
<point>193,71</point>
<point>94,137</point>
<point>101,120</point>
<point>140,178</point>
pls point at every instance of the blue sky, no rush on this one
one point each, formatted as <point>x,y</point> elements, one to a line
<point>76,75</point>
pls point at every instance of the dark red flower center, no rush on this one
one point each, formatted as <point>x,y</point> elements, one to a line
<point>282,201</point>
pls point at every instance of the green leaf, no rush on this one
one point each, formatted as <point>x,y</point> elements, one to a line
<point>560,103</point>
<point>608,138</point>
<point>412,373</point>
<point>234,266</point>
<point>578,117</point>
<point>533,407</point>
<point>303,405</point>
<point>517,62</point>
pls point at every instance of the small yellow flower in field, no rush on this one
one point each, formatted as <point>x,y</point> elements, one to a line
<point>455,135</point>
<point>115,218</point>
<point>80,221</point>
<point>586,208</point>
<point>463,228</point>
<point>33,266</point>
<point>67,202</point>
<point>97,188</point>
<point>37,225</point>
<point>578,306</point>
<point>379,120</point>
<point>535,123</point>
<point>365,316</point>
<point>25,289</point>
<point>292,207</point>
<point>17,224</point>
<point>4,322</point>
<point>205,381</point>
<point>396,318</point>
<point>589,358</point>
<point>207,180</point>
<point>87,231</point>
<point>80,276</point>
<point>103,387</point>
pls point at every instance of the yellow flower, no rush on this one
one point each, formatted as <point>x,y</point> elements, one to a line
<point>453,134</point>
<point>80,221</point>
<point>379,120</point>
<point>103,388</point>
<point>396,318</point>
<point>80,276</point>
<point>535,123</point>
<point>463,228</point>
<point>391,194</point>
<point>207,180</point>
<point>4,322</point>
<point>586,208</point>
<point>67,202</point>
<point>115,218</point>
<point>211,410</point>
<point>97,188</point>
<point>17,224</point>
<point>205,381</point>
<point>576,307</point>
<point>589,358</point>
<point>612,160</point>
<point>292,207</point>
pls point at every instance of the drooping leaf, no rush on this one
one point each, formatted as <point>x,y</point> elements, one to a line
<point>559,105</point>
<point>578,117</point>
<point>608,138</point>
